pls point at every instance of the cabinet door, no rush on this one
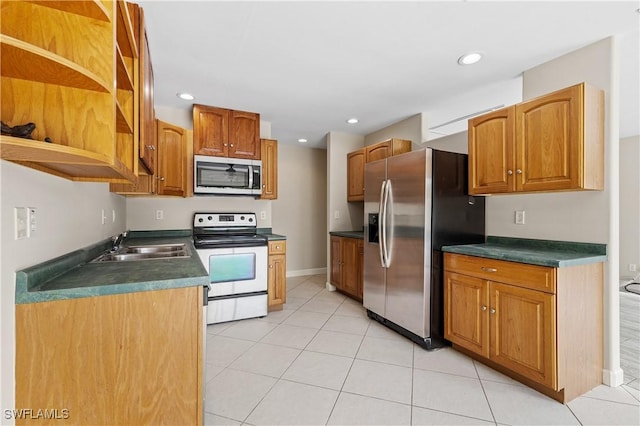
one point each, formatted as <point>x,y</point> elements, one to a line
<point>350,266</point>
<point>147,114</point>
<point>244,135</point>
<point>492,153</point>
<point>172,153</point>
<point>276,280</point>
<point>523,332</point>
<point>360,267</point>
<point>549,140</point>
<point>269,156</point>
<point>378,151</point>
<point>355,175</point>
<point>210,131</point>
<point>466,301</point>
<point>336,261</point>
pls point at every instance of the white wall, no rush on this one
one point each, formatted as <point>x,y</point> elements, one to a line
<point>588,216</point>
<point>300,211</point>
<point>69,217</point>
<point>629,205</point>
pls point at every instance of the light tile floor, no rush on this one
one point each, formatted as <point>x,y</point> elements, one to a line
<point>321,361</point>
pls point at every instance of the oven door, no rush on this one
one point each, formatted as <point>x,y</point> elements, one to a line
<point>235,270</point>
<point>238,283</point>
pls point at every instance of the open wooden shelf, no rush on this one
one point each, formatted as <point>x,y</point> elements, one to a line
<point>123,124</point>
<point>123,78</point>
<point>125,36</point>
<point>64,161</point>
<point>26,61</point>
<point>90,8</point>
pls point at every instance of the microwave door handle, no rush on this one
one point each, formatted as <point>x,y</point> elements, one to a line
<point>250,177</point>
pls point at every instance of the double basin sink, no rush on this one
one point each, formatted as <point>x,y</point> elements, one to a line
<point>145,252</point>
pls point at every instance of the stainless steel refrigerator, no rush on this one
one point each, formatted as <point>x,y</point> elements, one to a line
<point>415,203</point>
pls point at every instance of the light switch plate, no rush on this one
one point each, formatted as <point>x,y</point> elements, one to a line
<point>21,222</point>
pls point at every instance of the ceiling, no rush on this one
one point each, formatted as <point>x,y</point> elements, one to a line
<point>307,67</point>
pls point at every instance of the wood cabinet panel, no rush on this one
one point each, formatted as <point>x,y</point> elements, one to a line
<point>523,332</point>
<point>131,358</point>
<point>551,143</point>
<point>210,131</point>
<point>269,157</point>
<point>492,152</point>
<point>346,265</point>
<point>172,160</point>
<point>244,135</point>
<point>530,276</point>
<point>355,175</point>
<point>466,301</point>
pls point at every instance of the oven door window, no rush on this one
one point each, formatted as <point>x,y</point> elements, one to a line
<point>221,175</point>
<point>232,267</point>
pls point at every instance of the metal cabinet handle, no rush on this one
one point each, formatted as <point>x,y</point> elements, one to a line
<point>271,266</point>
<point>489,269</point>
<point>492,311</point>
<point>509,172</point>
<point>518,171</point>
<point>264,185</point>
<point>225,144</point>
<point>231,145</point>
<point>483,308</point>
<point>160,178</point>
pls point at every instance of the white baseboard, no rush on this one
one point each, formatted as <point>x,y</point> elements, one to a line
<point>613,378</point>
<point>302,272</point>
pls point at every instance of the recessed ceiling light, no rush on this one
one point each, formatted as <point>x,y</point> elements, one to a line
<point>352,120</point>
<point>185,96</point>
<point>302,140</point>
<point>469,58</point>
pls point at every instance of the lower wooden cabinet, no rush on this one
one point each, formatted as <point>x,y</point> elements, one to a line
<point>346,265</point>
<point>277,275</point>
<point>540,325</point>
<point>133,358</point>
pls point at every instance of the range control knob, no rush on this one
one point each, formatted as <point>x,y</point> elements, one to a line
<point>200,220</point>
<point>241,217</point>
<point>250,219</point>
<point>210,218</point>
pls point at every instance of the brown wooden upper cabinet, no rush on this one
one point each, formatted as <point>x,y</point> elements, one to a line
<point>269,148</point>
<point>357,159</point>
<point>174,160</point>
<point>551,143</point>
<point>147,121</point>
<point>223,132</point>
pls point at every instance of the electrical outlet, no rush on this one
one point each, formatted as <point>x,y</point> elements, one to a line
<point>633,267</point>
<point>113,216</point>
<point>263,215</point>
<point>519,217</point>
<point>104,217</point>
<point>159,214</point>
<point>336,214</point>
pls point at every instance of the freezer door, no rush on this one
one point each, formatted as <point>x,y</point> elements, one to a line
<point>409,270</point>
<point>373,297</point>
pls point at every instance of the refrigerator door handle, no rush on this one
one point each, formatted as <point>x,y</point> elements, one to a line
<point>380,223</point>
<point>388,233</point>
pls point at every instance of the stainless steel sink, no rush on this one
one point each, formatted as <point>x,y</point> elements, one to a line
<point>145,252</point>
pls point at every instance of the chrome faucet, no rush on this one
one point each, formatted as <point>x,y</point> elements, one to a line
<point>117,241</point>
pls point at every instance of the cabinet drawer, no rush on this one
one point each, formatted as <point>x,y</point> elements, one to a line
<point>277,247</point>
<point>519,274</point>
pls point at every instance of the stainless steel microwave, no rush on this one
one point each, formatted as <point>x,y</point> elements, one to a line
<point>226,176</point>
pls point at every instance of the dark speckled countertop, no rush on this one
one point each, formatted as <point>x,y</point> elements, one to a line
<point>270,235</point>
<point>348,234</point>
<point>556,254</point>
<point>73,276</point>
